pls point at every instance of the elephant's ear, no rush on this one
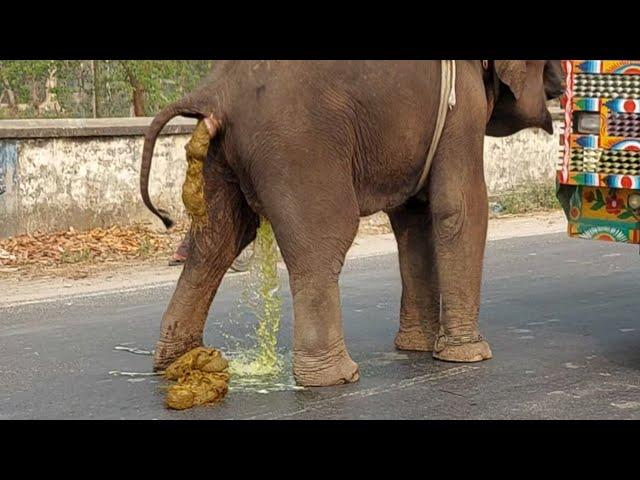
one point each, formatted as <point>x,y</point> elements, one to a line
<point>512,73</point>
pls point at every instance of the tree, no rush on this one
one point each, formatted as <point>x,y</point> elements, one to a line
<point>157,82</point>
<point>95,88</point>
<point>24,79</point>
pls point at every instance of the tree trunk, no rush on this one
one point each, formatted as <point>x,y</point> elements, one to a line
<point>35,100</point>
<point>138,92</point>
<point>50,102</point>
<point>138,99</point>
<point>10,95</point>
<point>94,93</point>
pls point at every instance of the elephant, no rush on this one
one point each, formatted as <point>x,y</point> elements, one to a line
<point>312,146</point>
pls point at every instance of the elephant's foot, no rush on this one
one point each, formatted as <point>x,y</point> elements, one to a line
<point>414,338</point>
<point>168,350</point>
<point>468,348</point>
<point>334,367</point>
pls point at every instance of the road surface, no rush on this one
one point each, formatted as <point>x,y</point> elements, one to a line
<point>561,316</point>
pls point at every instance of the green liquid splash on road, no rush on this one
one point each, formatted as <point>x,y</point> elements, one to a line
<point>261,365</point>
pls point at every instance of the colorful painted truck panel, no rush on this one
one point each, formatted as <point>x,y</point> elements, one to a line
<point>599,174</point>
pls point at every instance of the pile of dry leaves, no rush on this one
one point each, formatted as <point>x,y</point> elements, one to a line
<point>116,243</point>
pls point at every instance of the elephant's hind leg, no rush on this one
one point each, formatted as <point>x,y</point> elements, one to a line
<point>315,222</point>
<point>230,228</point>
<point>420,305</point>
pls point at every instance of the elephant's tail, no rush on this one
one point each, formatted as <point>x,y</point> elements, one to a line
<point>191,106</point>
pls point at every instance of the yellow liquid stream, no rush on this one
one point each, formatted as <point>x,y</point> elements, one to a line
<point>262,296</point>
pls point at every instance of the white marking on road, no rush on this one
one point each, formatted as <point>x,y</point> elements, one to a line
<point>370,392</point>
<point>385,358</point>
<point>626,405</point>
<point>117,373</point>
<point>572,365</point>
<point>627,330</point>
<point>521,330</point>
<point>134,350</point>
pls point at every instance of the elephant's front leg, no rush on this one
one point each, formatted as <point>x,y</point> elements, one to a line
<point>314,258</point>
<point>320,356</point>
<point>213,249</point>
<point>459,203</point>
<point>420,306</point>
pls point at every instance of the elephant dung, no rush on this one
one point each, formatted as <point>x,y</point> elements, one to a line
<point>193,187</point>
<point>201,376</point>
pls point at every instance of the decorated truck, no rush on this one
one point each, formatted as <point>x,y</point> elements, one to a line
<point>598,178</point>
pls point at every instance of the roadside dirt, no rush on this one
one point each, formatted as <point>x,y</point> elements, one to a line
<point>75,254</point>
<point>36,282</point>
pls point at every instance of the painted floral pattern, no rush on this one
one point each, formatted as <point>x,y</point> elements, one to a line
<point>609,234</point>
<point>612,203</point>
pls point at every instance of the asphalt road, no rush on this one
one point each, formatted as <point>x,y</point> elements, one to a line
<point>561,316</point>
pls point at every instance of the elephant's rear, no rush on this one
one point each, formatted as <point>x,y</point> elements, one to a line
<point>207,101</point>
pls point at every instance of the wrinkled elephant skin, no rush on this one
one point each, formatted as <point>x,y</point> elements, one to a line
<point>314,145</point>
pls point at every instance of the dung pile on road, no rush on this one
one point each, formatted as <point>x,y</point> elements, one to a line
<point>201,376</point>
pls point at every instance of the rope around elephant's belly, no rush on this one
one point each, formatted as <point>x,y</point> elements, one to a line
<point>447,102</point>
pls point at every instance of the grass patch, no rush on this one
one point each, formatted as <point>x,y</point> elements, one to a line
<point>146,248</point>
<point>83,255</point>
<point>531,198</point>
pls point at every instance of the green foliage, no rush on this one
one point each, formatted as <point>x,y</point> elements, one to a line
<point>157,82</point>
<point>145,249</point>
<point>162,81</point>
<point>22,75</point>
<point>530,198</point>
<point>83,255</point>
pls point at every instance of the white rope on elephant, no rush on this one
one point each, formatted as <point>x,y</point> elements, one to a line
<point>447,102</point>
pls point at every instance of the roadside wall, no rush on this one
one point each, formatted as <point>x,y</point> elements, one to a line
<point>56,174</point>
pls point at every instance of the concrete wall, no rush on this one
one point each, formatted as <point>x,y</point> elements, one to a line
<point>84,173</point>
<point>530,156</point>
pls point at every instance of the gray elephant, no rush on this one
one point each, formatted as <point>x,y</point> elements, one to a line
<point>313,146</point>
